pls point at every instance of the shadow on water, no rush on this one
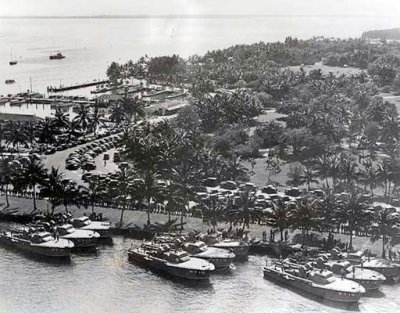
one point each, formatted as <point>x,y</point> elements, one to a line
<point>375,294</point>
<point>85,250</point>
<point>194,284</point>
<point>326,302</point>
<point>42,258</point>
<point>105,241</point>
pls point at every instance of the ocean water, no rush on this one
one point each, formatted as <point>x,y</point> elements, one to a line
<point>91,44</point>
<point>106,282</point>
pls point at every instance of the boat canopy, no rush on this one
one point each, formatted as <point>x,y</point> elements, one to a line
<point>41,237</point>
<point>322,277</point>
<point>177,257</point>
<point>66,229</point>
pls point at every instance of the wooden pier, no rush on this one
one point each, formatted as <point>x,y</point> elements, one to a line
<point>78,86</point>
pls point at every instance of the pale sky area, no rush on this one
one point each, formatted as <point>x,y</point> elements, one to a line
<point>198,7</point>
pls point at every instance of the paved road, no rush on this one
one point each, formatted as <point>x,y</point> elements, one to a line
<point>58,159</point>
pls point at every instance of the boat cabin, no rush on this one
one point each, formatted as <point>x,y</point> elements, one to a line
<point>195,247</point>
<point>41,237</point>
<point>322,277</point>
<point>177,256</point>
<point>65,229</point>
<point>81,222</point>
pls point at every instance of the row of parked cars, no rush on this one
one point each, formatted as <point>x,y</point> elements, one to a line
<point>85,156</point>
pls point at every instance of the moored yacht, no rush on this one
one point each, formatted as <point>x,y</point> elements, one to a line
<point>387,268</point>
<point>238,247</point>
<point>221,258</point>
<point>369,279</point>
<point>320,283</point>
<point>102,228</point>
<point>176,263</point>
<point>81,238</point>
<point>39,243</point>
<point>57,56</point>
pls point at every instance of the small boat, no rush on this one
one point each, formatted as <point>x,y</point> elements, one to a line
<point>12,62</point>
<point>81,238</point>
<point>173,262</point>
<point>10,81</point>
<point>238,247</point>
<point>103,228</point>
<point>387,268</point>
<point>221,258</point>
<point>369,279</point>
<point>320,283</point>
<point>39,243</point>
<point>57,56</point>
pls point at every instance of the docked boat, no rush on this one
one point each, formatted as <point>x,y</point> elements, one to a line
<point>221,258</point>
<point>369,279</point>
<point>57,56</point>
<point>320,283</point>
<point>81,238</point>
<point>238,247</point>
<point>387,268</point>
<point>38,243</point>
<point>173,262</point>
<point>102,228</point>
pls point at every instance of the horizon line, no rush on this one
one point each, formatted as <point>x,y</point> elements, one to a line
<point>133,16</point>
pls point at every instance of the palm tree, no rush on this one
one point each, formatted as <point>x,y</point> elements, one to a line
<point>213,209</point>
<point>304,215</point>
<point>82,118</point>
<point>353,212</point>
<point>278,217</point>
<point>150,189</point>
<point>52,188</point>
<point>243,210</point>
<point>91,194</point>
<point>122,187</point>
<point>96,119</point>
<point>33,174</point>
<point>61,120</point>
<point>173,198</point>
<point>132,107</point>
<point>46,132</point>
<point>69,194</point>
<point>385,226</point>
<point>117,114</point>
<point>184,177</point>
<point>309,175</point>
<point>6,172</point>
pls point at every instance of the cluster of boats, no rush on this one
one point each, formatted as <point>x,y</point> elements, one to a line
<point>335,276</point>
<point>56,241</point>
<point>188,257</point>
<point>12,62</point>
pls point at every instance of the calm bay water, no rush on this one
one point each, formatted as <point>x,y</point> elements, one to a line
<point>91,44</point>
<point>108,282</point>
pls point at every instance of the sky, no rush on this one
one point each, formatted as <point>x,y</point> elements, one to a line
<point>198,7</point>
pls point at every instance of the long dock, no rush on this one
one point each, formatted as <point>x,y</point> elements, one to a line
<point>78,86</point>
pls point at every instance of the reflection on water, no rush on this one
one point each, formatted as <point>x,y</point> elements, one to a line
<point>107,282</point>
